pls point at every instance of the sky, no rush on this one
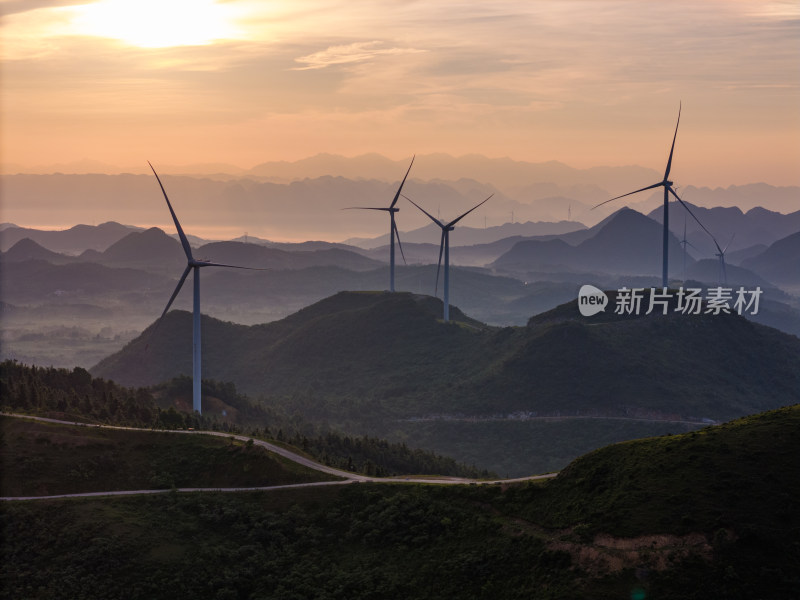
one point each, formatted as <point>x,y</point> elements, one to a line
<point>240,82</point>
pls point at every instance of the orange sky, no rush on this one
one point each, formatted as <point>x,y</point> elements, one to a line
<point>586,82</point>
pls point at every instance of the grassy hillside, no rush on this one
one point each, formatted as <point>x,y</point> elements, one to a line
<point>700,515</point>
<point>45,459</point>
<point>740,475</point>
<point>77,396</point>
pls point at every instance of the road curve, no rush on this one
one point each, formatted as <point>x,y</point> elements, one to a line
<point>346,476</point>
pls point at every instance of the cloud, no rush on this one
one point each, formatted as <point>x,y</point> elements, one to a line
<point>11,7</point>
<point>357,52</point>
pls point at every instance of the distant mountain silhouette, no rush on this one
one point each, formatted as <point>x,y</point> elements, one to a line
<point>625,243</point>
<point>780,262</point>
<point>756,226</point>
<point>150,248</point>
<point>470,236</point>
<point>745,197</point>
<point>310,206</point>
<point>36,281</point>
<point>27,249</point>
<point>477,255</point>
<point>708,271</point>
<point>70,241</point>
<point>252,255</point>
<point>503,172</point>
<point>735,257</point>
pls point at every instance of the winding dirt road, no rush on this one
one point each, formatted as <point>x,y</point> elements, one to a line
<point>346,476</point>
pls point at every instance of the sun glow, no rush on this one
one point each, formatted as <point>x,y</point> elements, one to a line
<point>157,23</point>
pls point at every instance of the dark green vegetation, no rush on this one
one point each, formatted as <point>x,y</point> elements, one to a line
<point>40,459</point>
<point>543,445</point>
<point>76,396</point>
<point>369,362</point>
<point>709,514</point>
<point>741,475</point>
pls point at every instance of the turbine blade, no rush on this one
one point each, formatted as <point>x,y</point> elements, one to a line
<point>451,223</point>
<point>678,198</point>
<point>672,149</point>
<point>729,243</point>
<point>364,208</point>
<point>213,264</point>
<point>439,266</point>
<point>177,289</point>
<point>400,189</point>
<point>184,242</point>
<point>397,234</point>
<point>649,187</point>
<point>430,216</point>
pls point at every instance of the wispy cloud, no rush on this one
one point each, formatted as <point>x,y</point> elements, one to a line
<point>357,52</point>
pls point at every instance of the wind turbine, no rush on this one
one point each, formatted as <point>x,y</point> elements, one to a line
<point>667,185</point>
<point>684,243</point>
<point>444,246</point>
<point>192,265</point>
<point>723,273</point>
<point>392,226</point>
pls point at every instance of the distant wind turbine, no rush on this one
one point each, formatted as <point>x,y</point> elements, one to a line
<point>392,226</point>
<point>668,189</point>
<point>444,246</point>
<point>192,265</point>
<point>684,243</point>
<point>723,272</point>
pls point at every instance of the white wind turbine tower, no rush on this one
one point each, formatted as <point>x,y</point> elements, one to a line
<point>192,265</point>
<point>392,209</point>
<point>444,246</point>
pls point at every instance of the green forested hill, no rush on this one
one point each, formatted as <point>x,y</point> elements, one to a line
<point>709,514</point>
<point>372,356</point>
<point>386,365</point>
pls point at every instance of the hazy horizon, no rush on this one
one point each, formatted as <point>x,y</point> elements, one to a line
<point>302,200</point>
